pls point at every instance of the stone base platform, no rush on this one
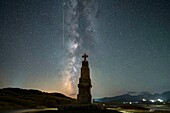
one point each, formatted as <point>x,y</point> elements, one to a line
<point>86,107</point>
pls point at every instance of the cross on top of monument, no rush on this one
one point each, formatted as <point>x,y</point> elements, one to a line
<point>85,56</point>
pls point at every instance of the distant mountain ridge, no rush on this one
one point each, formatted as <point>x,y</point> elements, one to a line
<point>30,98</point>
<point>134,98</point>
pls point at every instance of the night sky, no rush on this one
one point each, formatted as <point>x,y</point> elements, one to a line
<point>128,43</point>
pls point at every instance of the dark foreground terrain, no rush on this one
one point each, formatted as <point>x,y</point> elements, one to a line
<point>80,111</point>
<point>16,98</point>
<point>101,111</point>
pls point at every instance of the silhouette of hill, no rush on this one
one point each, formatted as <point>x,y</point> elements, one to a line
<point>29,98</point>
<point>136,98</point>
<point>166,95</point>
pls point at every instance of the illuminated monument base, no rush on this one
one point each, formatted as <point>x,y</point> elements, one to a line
<point>82,107</point>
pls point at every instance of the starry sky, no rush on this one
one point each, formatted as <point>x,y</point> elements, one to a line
<point>127,41</point>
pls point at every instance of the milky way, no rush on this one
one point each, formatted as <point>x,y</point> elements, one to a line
<point>75,42</point>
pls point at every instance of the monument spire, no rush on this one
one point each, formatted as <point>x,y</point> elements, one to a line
<point>84,91</point>
<point>85,56</point>
<point>84,96</point>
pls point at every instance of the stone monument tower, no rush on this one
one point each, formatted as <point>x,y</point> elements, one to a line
<point>84,96</point>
